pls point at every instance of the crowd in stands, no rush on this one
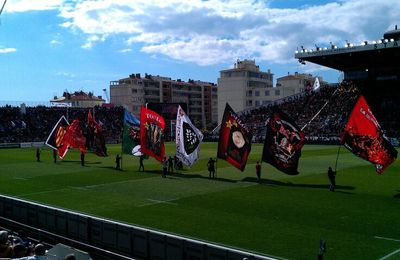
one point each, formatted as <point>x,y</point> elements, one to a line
<point>33,124</point>
<point>19,246</point>
<point>337,103</point>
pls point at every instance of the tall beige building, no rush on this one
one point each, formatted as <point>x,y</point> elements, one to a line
<point>296,83</point>
<point>135,91</point>
<point>244,87</point>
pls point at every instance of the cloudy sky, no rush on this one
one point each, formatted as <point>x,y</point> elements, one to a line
<point>49,46</point>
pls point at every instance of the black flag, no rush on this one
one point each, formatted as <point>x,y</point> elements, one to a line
<point>283,143</point>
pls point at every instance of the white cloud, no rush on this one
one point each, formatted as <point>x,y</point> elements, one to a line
<point>32,5</point>
<point>91,40</point>
<point>126,50</point>
<point>55,42</point>
<point>219,31</point>
<point>65,74</point>
<point>7,50</point>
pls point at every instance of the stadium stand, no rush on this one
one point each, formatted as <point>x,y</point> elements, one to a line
<point>36,123</point>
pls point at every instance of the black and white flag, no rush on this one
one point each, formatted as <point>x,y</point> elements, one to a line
<point>188,139</point>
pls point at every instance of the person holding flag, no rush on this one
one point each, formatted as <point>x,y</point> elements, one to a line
<point>211,168</point>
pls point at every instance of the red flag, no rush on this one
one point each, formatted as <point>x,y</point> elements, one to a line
<point>152,133</point>
<point>234,140</point>
<point>95,140</point>
<point>56,137</point>
<point>363,137</point>
<point>73,138</point>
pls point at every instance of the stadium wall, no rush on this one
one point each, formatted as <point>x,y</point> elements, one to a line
<point>125,240</point>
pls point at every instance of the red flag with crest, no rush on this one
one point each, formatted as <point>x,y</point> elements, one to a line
<point>152,133</point>
<point>364,137</point>
<point>234,144</point>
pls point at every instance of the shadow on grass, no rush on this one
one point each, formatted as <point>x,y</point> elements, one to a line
<point>198,176</point>
<point>92,162</point>
<point>397,196</point>
<point>300,185</point>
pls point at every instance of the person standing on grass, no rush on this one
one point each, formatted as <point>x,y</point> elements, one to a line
<point>258,171</point>
<point>141,165</point>
<point>38,154</point>
<point>82,159</point>
<point>332,179</point>
<point>118,162</point>
<point>55,156</point>
<point>211,168</point>
<point>170,165</point>
<point>164,167</point>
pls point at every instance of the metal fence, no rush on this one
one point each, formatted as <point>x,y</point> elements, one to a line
<point>106,237</point>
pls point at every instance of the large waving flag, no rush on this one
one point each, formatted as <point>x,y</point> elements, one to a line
<point>73,138</point>
<point>131,135</point>
<point>283,143</point>
<point>152,133</point>
<point>363,137</point>
<point>234,143</point>
<point>95,140</point>
<point>188,139</point>
<point>56,136</point>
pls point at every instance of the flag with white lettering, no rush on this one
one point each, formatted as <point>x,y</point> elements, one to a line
<point>363,137</point>
<point>152,133</point>
<point>234,144</point>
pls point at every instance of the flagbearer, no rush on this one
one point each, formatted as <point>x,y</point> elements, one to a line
<point>211,168</point>
<point>38,154</point>
<point>141,165</point>
<point>55,155</point>
<point>164,167</point>
<point>258,172</point>
<point>118,162</point>
<point>332,177</point>
<point>82,158</point>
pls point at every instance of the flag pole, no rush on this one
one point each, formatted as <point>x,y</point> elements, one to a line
<point>337,157</point>
<point>326,103</point>
<point>122,137</point>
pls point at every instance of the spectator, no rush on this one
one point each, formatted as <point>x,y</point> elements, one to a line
<point>6,251</point>
<point>39,253</point>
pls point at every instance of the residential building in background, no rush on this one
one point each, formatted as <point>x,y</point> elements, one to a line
<point>244,87</point>
<point>200,97</point>
<point>296,83</point>
<point>77,99</point>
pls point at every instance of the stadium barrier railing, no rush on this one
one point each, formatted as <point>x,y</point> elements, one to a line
<point>107,239</point>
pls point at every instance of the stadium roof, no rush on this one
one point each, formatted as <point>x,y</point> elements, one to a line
<point>376,55</point>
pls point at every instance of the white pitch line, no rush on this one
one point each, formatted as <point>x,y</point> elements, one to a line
<point>117,182</point>
<point>388,238</point>
<point>41,192</point>
<point>153,202</point>
<point>389,255</point>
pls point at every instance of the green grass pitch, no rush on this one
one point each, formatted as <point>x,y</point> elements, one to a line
<point>284,216</point>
